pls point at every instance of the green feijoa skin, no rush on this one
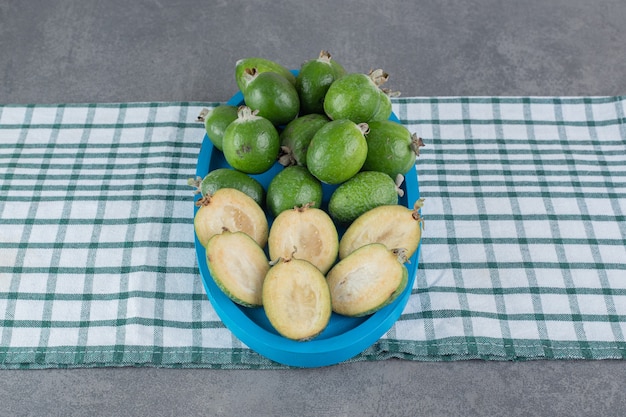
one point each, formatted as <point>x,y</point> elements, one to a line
<point>272,95</point>
<point>230,178</point>
<point>261,65</point>
<point>296,136</point>
<point>293,187</point>
<point>384,107</point>
<point>251,143</point>
<point>391,148</point>
<point>354,96</point>
<point>216,121</point>
<point>337,151</point>
<point>363,192</point>
<point>314,79</point>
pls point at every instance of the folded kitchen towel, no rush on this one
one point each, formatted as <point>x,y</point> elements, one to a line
<point>523,253</point>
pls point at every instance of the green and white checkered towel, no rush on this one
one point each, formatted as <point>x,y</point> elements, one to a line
<point>523,255</point>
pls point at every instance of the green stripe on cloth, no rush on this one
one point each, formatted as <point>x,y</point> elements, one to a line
<point>523,253</point>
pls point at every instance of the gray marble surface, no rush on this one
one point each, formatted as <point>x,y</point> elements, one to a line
<point>124,51</point>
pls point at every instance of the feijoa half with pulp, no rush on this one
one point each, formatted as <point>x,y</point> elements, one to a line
<point>394,226</point>
<point>230,209</point>
<point>296,299</point>
<point>367,280</point>
<point>304,233</point>
<point>238,266</point>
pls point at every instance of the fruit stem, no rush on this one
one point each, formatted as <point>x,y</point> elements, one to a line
<point>364,128</point>
<point>324,56</point>
<point>202,115</point>
<point>399,180</point>
<point>390,93</point>
<point>246,113</point>
<point>195,182</point>
<point>416,144</point>
<point>286,157</point>
<point>400,254</point>
<point>204,201</point>
<point>416,208</point>
<point>378,76</point>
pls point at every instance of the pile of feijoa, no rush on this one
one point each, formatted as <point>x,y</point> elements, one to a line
<point>321,125</point>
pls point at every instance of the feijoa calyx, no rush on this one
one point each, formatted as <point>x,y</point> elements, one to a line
<point>363,192</point>
<point>367,280</point>
<point>238,266</point>
<point>296,299</point>
<point>230,209</point>
<point>394,226</point>
<point>306,233</point>
<point>251,143</point>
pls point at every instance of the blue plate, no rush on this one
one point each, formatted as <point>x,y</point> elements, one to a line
<point>344,337</point>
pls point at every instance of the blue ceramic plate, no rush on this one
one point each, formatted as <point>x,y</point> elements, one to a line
<point>344,337</point>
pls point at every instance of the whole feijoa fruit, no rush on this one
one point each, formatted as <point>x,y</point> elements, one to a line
<point>337,151</point>
<point>272,95</point>
<point>313,81</point>
<point>292,187</point>
<point>363,192</point>
<point>229,178</point>
<point>304,233</point>
<point>354,96</point>
<point>296,136</point>
<point>216,121</point>
<point>232,210</point>
<point>391,148</point>
<point>296,299</point>
<point>394,226</point>
<point>261,65</point>
<point>367,280</point>
<point>251,143</point>
<point>238,266</point>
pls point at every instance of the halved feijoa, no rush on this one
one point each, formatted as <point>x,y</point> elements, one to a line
<point>296,299</point>
<point>367,280</point>
<point>238,266</point>
<point>230,209</point>
<point>394,226</point>
<point>304,233</point>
